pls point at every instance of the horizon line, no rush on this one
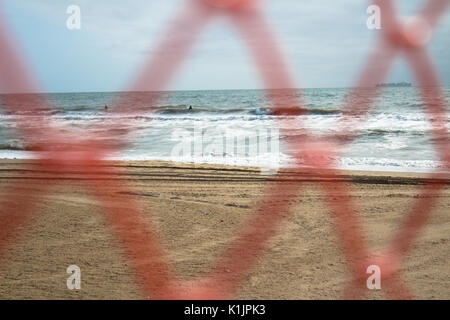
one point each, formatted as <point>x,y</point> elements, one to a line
<point>185,90</point>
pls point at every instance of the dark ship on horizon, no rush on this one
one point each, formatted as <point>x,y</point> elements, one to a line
<point>394,85</point>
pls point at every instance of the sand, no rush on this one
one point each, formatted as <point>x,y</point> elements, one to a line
<point>198,209</point>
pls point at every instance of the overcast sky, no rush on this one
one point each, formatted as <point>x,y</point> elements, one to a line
<point>326,43</point>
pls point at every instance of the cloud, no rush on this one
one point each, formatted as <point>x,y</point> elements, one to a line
<point>326,41</point>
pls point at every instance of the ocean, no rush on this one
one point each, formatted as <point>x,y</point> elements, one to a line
<point>236,127</point>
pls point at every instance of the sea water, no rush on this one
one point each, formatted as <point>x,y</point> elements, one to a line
<point>395,136</point>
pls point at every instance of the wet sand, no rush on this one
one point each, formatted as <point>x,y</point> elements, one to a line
<point>198,210</point>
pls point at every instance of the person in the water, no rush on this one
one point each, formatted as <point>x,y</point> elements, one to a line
<point>190,108</point>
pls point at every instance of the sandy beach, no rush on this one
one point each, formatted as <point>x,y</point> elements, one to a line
<point>198,209</point>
